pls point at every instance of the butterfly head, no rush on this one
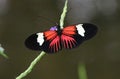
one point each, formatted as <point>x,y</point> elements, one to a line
<point>54,28</point>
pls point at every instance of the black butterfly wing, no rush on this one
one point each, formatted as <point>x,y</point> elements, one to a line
<point>32,41</point>
<point>47,41</point>
<point>74,35</point>
<point>90,30</point>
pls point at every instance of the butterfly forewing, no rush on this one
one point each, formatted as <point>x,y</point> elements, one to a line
<point>49,35</point>
<point>33,41</point>
<point>69,30</point>
<point>90,30</point>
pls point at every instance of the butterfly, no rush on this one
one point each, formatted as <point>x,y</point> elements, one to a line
<point>54,39</point>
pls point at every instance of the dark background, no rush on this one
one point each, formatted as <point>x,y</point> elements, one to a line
<point>21,18</point>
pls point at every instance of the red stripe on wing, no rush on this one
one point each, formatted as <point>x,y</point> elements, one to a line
<point>55,44</point>
<point>70,38</point>
<point>70,30</point>
<point>68,42</point>
<point>49,35</point>
<point>52,42</point>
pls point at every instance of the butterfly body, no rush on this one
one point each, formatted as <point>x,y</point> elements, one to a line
<point>55,39</point>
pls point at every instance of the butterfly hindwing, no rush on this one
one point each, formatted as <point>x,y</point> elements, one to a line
<point>52,42</point>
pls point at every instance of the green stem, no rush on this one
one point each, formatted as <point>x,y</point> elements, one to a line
<point>82,73</point>
<point>29,69</point>
<point>63,14</point>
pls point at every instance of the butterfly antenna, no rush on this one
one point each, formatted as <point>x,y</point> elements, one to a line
<point>57,24</point>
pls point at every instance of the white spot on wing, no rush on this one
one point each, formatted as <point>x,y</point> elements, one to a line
<point>80,29</point>
<point>40,38</point>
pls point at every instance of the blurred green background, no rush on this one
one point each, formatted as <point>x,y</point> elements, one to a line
<point>101,54</point>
